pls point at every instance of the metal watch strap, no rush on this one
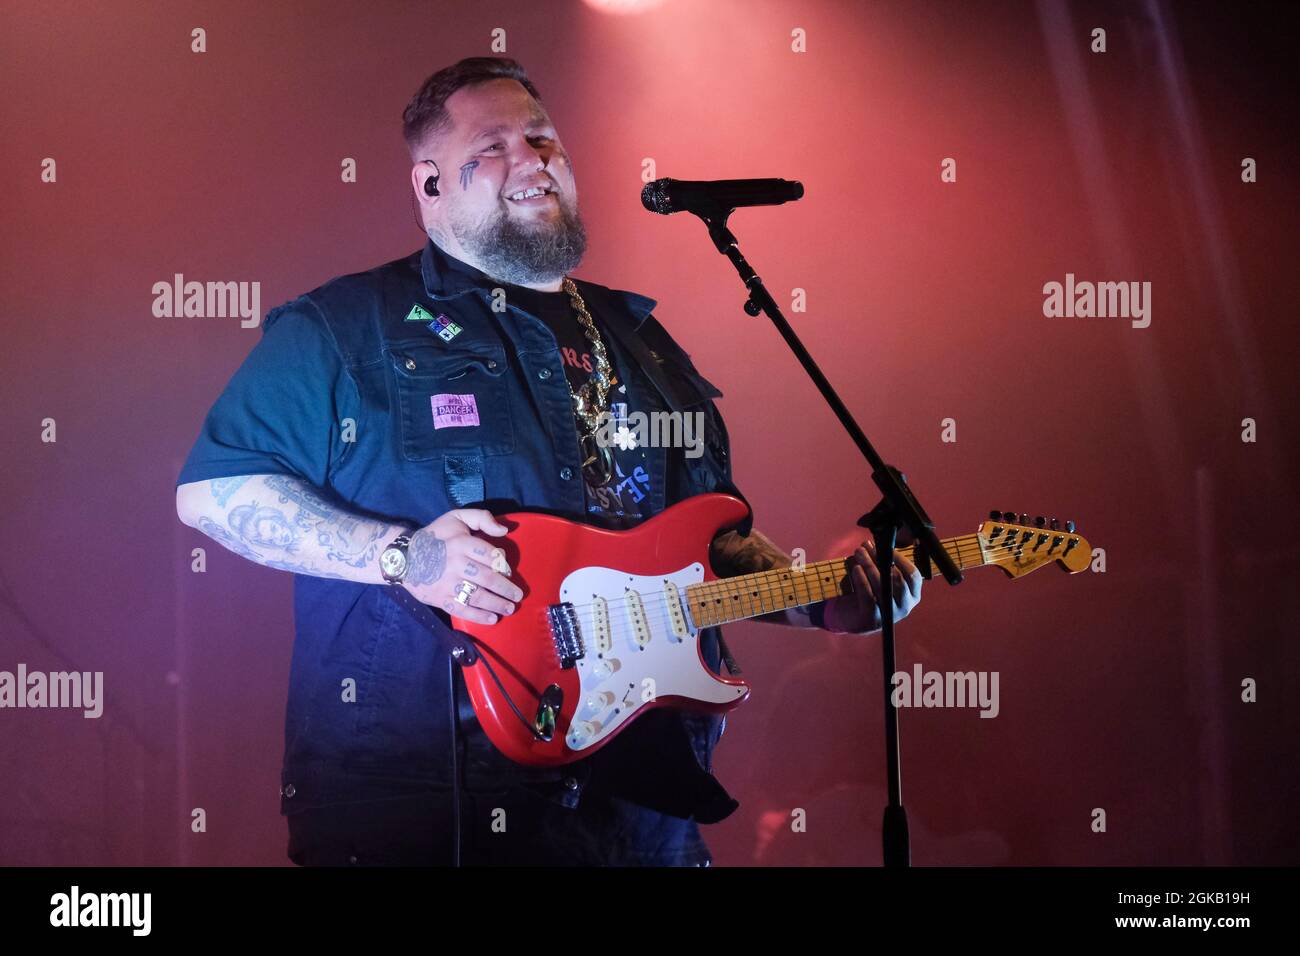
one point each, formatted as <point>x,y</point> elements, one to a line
<point>403,543</point>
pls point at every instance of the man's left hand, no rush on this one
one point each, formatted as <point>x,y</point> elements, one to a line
<point>857,613</point>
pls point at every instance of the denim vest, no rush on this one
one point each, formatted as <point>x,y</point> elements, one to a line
<point>523,454</point>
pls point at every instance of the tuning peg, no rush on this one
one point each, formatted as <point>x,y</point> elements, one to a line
<point>1056,525</point>
<point>1069,526</point>
<point>995,515</point>
<point>1009,516</point>
<point>1040,521</point>
<point>1024,517</point>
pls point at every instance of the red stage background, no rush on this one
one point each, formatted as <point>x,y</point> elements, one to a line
<point>1120,690</point>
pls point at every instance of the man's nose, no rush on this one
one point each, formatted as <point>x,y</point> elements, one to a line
<point>532,157</point>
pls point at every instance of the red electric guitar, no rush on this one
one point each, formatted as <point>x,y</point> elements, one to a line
<point>608,626</point>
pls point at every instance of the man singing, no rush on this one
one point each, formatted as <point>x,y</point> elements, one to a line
<point>366,443</point>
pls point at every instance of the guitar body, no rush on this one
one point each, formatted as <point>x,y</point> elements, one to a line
<point>597,631</point>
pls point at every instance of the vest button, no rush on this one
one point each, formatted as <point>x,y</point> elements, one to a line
<point>492,363</point>
<point>290,790</point>
<point>570,783</point>
<point>544,373</point>
<point>410,364</point>
<point>566,472</point>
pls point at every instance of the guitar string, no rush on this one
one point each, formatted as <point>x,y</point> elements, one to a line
<point>767,580</point>
<point>966,546</point>
<point>771,584</point>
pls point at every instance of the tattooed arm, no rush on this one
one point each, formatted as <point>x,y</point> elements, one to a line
<point>731,555</point>
<point>281,522</point>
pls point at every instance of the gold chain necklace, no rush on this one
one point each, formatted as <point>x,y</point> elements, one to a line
<point>590,402</point>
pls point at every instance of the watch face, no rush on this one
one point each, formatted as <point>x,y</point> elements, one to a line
<point>392,562</point>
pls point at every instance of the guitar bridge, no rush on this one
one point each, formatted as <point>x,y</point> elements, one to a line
<point>565,633</point>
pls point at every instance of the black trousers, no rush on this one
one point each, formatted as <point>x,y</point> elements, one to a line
<point>507,823</point>
<point>512,828</point>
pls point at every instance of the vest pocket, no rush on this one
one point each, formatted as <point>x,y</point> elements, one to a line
<point>451,400</point>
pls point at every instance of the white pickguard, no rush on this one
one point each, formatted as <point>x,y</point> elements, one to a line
<point>618,683</point>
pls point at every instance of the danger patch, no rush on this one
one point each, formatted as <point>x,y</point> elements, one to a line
<point>454,411</point>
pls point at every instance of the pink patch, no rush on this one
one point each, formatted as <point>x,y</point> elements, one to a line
<point>454,411</point>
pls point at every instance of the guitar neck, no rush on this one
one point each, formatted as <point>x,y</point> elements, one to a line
<point>764,592</point>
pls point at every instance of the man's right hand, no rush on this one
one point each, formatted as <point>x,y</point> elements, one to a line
<point>444,553</point>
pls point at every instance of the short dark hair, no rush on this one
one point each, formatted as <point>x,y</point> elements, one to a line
<point>427,115</point>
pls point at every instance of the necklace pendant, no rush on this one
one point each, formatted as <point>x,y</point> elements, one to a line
<point>598,461</point>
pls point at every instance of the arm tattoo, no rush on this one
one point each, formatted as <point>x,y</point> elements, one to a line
<point>731,554</point>
<point>427,557</point>
<point>230,542</point>
<point>263,527</point>
<point>226,539</point>
<point>299,568</point>
<point>223,488</point>
<point>347,538</point>
<point>291,537</point>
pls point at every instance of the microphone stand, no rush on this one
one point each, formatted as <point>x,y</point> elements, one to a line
<point>898,511</point>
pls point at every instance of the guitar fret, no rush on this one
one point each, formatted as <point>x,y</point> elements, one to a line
<point>724,600</point>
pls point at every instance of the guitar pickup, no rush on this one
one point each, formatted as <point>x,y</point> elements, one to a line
<point>676,615</point>
<point>636,618</point>
<point>600,632</point>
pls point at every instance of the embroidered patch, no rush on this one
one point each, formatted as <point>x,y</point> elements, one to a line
<point>454,411</point>
<point>445,327</point>
<point>417,314</point>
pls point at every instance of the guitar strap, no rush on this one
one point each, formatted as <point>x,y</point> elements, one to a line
<point>732,667</point>
<point>457,645</point>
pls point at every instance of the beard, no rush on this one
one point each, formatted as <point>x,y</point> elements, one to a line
<point>519,252</point>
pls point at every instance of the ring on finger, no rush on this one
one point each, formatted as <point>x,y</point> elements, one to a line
<point>464,590</point>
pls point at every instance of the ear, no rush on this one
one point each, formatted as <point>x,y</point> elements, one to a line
<point>424,170</point>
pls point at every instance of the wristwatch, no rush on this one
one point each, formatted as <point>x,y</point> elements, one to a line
<point>393,563</point>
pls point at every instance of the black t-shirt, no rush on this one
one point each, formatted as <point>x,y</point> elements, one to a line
<point>621,501</point>
<point>624,496</point>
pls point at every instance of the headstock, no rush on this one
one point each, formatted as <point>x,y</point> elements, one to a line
<point>1018,547</point>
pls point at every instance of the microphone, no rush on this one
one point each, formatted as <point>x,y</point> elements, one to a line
<point>712,197</point>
